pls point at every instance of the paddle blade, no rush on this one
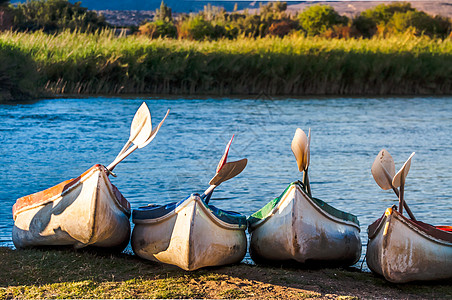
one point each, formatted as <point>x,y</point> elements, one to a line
<point>224,158</point>
<point>228,171</point>
<point>154,132</point>
<point>383,169</point>
<point>399,178</point>
<point>141,127</point>
<point>299,146</point>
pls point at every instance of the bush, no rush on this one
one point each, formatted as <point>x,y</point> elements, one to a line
<point>318,18</point>
<point>18,74</point>
<point>158,29</point>
<point>337,31</point>
<point>56,15</point>
<point>197,28</point>
<point>421,23</point>
<point>281,28</point>
<point>364,26</point>
<point>382,14</point>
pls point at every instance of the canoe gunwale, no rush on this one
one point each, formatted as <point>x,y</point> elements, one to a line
<point>391,213</point>
<point>255,225</point>
<point>185,203</point>
<point>74,183</point>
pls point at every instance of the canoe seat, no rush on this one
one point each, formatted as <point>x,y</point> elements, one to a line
<point>153,211</point>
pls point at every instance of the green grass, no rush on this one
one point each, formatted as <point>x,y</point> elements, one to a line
<point>57,274</point>
<point>103,64</point>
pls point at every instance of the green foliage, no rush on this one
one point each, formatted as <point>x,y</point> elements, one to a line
<point>364,26</point>
<point>399,18</point>
<point>102,63</point>
<point>421,23</point>
<point>197,28</point>
<point>18,73</point>
<point>159,29</point>
<point>56,15</point>
<point>383,13</point>
<point>164,13</point>
<point>317,19</point>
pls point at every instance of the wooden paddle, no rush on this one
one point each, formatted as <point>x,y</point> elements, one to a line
<point>228,171</point>
<point>225,171</point>
<point>224,158</point>
<point>383,170</point>
<point>301,149</point>
<point>399,180</point>
<point>140,128</point>
<point>138,143</point>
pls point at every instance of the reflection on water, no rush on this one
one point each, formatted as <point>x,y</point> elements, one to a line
<point>53,140</point>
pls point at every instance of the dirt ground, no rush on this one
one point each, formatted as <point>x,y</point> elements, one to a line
<point>295,283</point>
<point>46,274</point>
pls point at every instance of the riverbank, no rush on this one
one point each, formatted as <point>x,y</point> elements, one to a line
<point>104,64</point>
<point>79,274</point>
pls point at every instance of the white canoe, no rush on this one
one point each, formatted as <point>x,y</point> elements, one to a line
<point>404,250</point>
<point>189,234</point>
<point>295,226</point>
<point>80,212</point>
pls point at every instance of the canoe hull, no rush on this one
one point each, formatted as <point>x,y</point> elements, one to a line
<point>190,237</point>
<point>299,230</point>
<point>402,251</point>
<point>86,211</point>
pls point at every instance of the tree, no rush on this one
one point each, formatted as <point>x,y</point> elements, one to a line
<point>383,13</point>
<point>164,13</point>
<point>421,23</point>
<point>317,19</point>
<point>364,26</point>
<point>56,15</point>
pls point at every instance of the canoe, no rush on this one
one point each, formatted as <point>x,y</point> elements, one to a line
<point>297,227</point>
<point>404,250</point>
<point>86,211</point>
<point>189,234</point>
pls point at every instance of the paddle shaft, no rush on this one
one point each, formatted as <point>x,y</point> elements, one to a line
<point>207,192</point>
<point>131,139</point>
<point>396,191</point>
<point>120,158</point>
<point>401,202</point>
<point>306,181</point>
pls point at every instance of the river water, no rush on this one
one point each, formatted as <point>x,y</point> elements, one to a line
<point>46,142</point>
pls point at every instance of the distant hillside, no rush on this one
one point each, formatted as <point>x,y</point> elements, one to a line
<point>133,12</point>
<point>178,6</point>
<point>352,8</point>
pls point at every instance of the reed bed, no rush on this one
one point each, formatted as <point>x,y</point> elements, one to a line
<point>102,63</point>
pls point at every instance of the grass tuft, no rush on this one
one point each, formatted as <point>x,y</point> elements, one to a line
<point>104,64</point>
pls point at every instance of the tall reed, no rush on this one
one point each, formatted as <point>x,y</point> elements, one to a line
<point>102,63</point>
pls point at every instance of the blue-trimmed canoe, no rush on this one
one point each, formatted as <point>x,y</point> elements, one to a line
<point>189,234</point>
<point>297,227</point>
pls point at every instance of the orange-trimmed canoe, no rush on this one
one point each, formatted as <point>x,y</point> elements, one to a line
<point>86,211</point>
<point>404,250</point>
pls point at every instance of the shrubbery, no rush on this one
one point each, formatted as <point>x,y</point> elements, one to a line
<point>55,15</point>
<point>158,29</point>
<point>317,19</point>
<point>215,23</point>
<point>18,73</point>
<point>399,18</point>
